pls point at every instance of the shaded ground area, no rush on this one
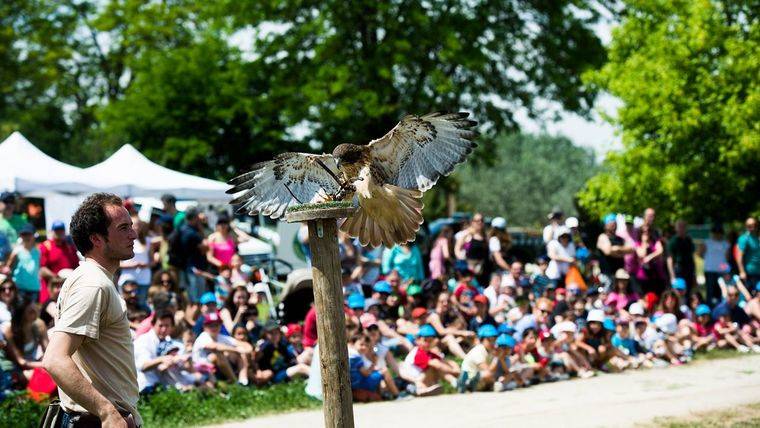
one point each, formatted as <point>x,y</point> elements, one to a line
<point>608,400</point>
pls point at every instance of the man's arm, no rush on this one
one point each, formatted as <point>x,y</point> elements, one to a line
<point>57,361</point>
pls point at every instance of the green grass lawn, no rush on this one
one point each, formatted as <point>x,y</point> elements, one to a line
<point>741,416</point>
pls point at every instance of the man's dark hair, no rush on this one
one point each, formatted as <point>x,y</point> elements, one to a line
<point>168,199</point>
<point>191,213</point>
<point>160,315</point>
<point>91,218</point>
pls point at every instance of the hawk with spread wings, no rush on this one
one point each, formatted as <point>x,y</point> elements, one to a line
<point>385,177</point>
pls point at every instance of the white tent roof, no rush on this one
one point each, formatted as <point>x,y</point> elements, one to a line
<point>128,173</point>
<point>25,168</point>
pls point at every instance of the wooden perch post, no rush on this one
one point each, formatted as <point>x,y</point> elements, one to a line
<point>328,298</point>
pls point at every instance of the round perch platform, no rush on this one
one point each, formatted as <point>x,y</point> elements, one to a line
<point>328,298</point>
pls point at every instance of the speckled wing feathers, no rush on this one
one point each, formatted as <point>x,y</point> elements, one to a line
<point>420,150</point>
<point>271,187</point>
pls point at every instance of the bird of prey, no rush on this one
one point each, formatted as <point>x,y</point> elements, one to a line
<point>386,177</point>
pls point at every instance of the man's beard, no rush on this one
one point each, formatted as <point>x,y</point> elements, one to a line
<point>113,254</point>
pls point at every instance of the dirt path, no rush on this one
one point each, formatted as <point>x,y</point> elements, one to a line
<point>607,400</point>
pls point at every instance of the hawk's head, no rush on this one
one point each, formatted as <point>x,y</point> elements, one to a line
<point>348,154</point>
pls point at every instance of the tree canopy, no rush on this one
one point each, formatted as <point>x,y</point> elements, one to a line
<point>530,175</point>
<point>687,73</point>
<point>84,77</point>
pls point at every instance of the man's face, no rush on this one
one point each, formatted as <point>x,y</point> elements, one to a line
<point>119,244</point>
<point>8,206</point>
<point>516,269</point>
<point>751,225</point>
<point>681,228</point>
<point>59,234</point>
<point>649,216</point>
<point>163,328</point>
<point>129,291</point>
<point>213,329</point>
<point>732,296</point>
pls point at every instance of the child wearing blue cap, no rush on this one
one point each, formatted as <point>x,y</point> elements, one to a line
<point>506,380</point>
<point>425,367</point>
<point>703,329</point>
<point>478,366</point>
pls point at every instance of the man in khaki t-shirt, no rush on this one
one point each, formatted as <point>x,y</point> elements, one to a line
<point>90,355</point>
<point>90,306</point>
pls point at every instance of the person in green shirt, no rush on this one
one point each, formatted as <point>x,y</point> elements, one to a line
<point>748,258</point>
<point>10,223</point>
<point>170,208</point>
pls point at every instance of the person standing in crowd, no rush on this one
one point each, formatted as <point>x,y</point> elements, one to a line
<point>10,222</point>
<point>649,223</point>
<point>561,252</point>
<point>191,253</point>
<point>612,249</point>
<point>170,208</point>
<point>681,257</point>
<point>223,242</point>
<point>555,222</point>
<point>472,247</point>
<point>646,265</point>
<point>406,260</point>
<point>97,379</point>
<point>714,251</point>
<point>440,254</point>
<point>24,265</point>
<point>499,243</point>
<point>748,257</point>
<point>8,299</point>
<point>138,267</point>
<point>56,253</point>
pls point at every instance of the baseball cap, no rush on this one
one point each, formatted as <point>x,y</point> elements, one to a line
<point>561,291</point>
<point>127,277</point>
<point>480,299</point>
<point>702,310</point>
<point>367,319</point>
<point>208,298</point>
<point>563,230</point>
<point>26,229</point>
<point>427,330</point>
<point>292,329</point>
<point>566,327</point>
<point>418,312</point>
<point>595,315</point>
<point>679,284</point>
<point>757,286</point>
<point>610,218</point>
<point>487,330</point>
<point>636,309</point>
<point>668,323</point>
<point>720,311</point>
<point>622,274</point>
<point>368,303</point>
<point>499,223</point>
<point>556,212</point>
<point>514,314</point>
<point>382,287</point>
<point>212,318</point>
<point>506,329</point>
<point>609,324</point>
<point>414,290</point>
<point>165,347</point>
<point>58,225</point>
<point>356,301</point>
<point>571,222</point>
<point>505,341</point>
<point>542,259</point>
<point>7,197</point>
<point>628,219</point>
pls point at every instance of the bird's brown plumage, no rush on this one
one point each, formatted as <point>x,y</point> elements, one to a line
<point>386,178</point>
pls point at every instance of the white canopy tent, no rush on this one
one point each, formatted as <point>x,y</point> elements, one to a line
<point>26,169</point>
<point>129,173</point>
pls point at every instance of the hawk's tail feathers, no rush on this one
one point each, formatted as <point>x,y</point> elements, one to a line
<point>396,222</point>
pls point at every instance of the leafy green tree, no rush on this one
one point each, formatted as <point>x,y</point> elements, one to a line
<point>349,70</point>
<point>687,72</point>
<point>530,175</point>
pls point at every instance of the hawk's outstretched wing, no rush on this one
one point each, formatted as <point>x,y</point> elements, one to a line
<point>291,178</point>
<point>419,150</point>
